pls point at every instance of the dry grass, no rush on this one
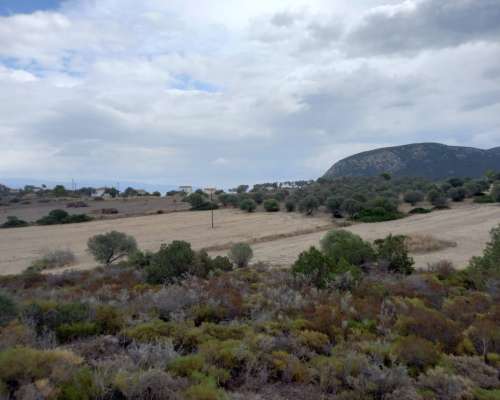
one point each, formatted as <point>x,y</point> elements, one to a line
<point>419,243</point>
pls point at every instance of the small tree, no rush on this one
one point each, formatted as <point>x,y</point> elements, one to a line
<point>271,205</point>
<point>495,192</point>
<point>171,262</point>
<point>314,266</point>
<point>309,205</point>
<point>352,207</point>
<point>111,246</point>
<point>436,198</point>
<point>59,191</point>
<point>290,206</point>
<point>394,251</point>
<point>457,194</point>
<point>240,254</point>
<point>242,189</point>
<point>334,205</point>
<point>340,244</point>
<point>413,197</point>
<point>14,222</point>
<point>248,205</point>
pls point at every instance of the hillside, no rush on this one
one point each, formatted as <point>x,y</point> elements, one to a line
<point>427,160</point>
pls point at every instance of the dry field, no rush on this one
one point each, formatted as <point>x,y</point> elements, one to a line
<point>126,207</point>
<point>277,238</point>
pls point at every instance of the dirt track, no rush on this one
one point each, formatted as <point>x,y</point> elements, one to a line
<point>279,237</point>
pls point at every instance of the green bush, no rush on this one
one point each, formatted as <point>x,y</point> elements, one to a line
<point>171,262</point>
<point>111,246</point>
<point>290,206</point>
<point>436,198</point>
<point>340,244</point>
<point>14,222</point>
<point>377,214</point>
<point>413,197</point>
<point>457,194</point>
<point>56,217</point>
<point>416,353</point>
<point>394,251</point>
<point>248,205</point>
<point>495,192</point>
<point>53,259</point>
<point>420,210</point>
<point>314,266</point>
<point>148,331</point>
<point>486,199</point>
<point>68,332</point>
<point>8,309</point>
<point>334,204</point>
<point>309,205</point>
<point>271,205</point>
<point>240,254</point>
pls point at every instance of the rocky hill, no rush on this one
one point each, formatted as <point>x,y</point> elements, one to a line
<point>428,160</point>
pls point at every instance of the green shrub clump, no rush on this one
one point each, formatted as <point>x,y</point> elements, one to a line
<point>248,205</point>
<point>111,246</point>
<point>8,309</point>
<point>14,222</point>
<point>56,217</point>
<point>271,205</point>
<point>340,244</point>
<point>240,254</point>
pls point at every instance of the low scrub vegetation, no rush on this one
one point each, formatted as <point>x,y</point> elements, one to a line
<point>56,217</point>
<point>350,320</point>
<point>426,243</point>
<point>53,259</point>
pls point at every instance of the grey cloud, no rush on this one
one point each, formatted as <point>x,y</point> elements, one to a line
<point>482,100</point>
<point>428,24</point>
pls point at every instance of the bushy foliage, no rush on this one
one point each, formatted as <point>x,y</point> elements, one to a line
<point>495,192</point>
<point>56,217</point>
<point>8,309</point>
<point>309,205</point>
<point>14,222</point>
<point>248,205</point>
<point>271,205</point>
<point>53,259</point>
<point>413,197</point>
<point>171,262</point>
<point>200,202</point>
<point>457,194</point>
<point>341,244</point>
<point>437,198</point>
<point>112,246</point>
<point>393,251</point>
<point>290,206</point>
<point>240,254</point>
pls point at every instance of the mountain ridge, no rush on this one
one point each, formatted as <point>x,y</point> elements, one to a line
<point>427,160</point>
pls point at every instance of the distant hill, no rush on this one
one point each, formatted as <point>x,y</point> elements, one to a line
<point>427,160</point>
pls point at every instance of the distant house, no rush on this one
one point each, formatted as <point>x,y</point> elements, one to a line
<point>186,189</point>
<point>210,190</point>
<point>99,192</point>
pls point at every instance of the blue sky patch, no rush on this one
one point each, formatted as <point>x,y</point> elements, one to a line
<point>185,82</point>
<point>10,7</point>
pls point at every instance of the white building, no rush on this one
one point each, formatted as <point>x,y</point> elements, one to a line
<point>186,189</point>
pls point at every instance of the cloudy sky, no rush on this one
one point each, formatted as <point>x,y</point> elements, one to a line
<point>228,91</point>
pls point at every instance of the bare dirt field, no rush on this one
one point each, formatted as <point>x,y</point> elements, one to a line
<point>19,247</point>
<point>125,207</point>
<point>466,224</point>
<point>277,238</point>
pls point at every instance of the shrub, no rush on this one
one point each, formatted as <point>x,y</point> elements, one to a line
<point>271,205</point>
<point>309,205</point>
<point>420,210</point>
<point>352,207</point>
<point>334,205</point>
<point>290,206</point>
<point>314,266</point>
<point>152,331</point>
<point>199,202</point>
<point>8,309</point>
<point>69,332</point>
<point>436,198</point>
<point>340,244</point>
<point>495,192</point>
<point>417,353</point>
<point>377,214</point>
<point>413,197</point>
<point>56,217</point>
<point>489,263</point>
<point>171,262</point>
<point>394,252</point>
<point>54,259</point>
<point>14,222</point>
<point>457,194</point>
<point>248,205</point>
<point>240,254</point>
<point>111,246</point>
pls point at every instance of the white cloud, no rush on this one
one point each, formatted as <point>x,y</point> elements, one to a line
<point>238,91</point>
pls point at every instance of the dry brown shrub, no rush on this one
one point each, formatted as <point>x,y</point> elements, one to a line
<point>418,243</point>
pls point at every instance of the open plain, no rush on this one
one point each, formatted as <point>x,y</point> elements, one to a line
<point>277,238</point>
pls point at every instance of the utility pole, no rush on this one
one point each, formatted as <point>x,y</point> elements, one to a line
<point>212,207</point>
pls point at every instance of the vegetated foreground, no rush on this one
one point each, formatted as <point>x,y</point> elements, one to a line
<point>20,247</point>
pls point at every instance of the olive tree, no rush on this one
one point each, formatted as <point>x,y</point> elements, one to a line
<point>110,247</point>
<point>240,254</point>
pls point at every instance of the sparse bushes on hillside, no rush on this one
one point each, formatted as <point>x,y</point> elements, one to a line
<point>495,192</point>
<point>240,254</point>
<point>14,222</point>
<point>56,217</point>
<point>200,202</point>
<point>290,206</point>
<point>111,246</point>
<point>457,194</point>
<point>437,199</point>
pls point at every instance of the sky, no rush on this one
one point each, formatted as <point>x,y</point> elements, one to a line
<point>226,92</point>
